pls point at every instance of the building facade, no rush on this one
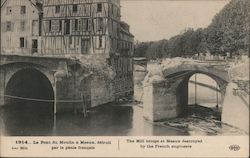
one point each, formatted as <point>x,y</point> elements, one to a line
<point>90,27</point>
<point>74,28</point>
<point>21,26</point>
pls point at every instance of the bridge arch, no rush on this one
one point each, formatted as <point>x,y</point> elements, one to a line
<point>181,74</point>
<point>166,97</point>
<point>212,71</point>
<point>181,79</point>
<point>28,83</point>
<point>13,68</point>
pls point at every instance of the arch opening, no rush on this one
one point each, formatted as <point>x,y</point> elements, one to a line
<point>28,83</point>
<point>200,94</point>
<point>203,90</point>
<point>28,116</point>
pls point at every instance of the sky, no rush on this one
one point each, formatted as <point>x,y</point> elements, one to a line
<point>152,20</point>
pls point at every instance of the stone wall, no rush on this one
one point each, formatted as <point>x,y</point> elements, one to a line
<point>148,102</point>
<point>66,90</point>
<point>101,91</point>
<point>2,86</point>
<point>160,101</point>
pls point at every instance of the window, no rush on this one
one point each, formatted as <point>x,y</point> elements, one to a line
<point>99,7</point>
<point>55,25</point>
<point>8,26</point>
<point>84,46</point>
<point>8,10</point>
<point>87,24</point>
<point>23,9</point>
<point>50,26</point>
<point>46,26</point>
<point>34,46</point>
<point>70,40</point>
<point>100,41</point>
<point>100,24</point>
<point>35,27</point>
<point>67,27</point>
<point>76,25</point>
<point>57,9</point>
<point>60,25</point>
<point>75,8</point>
<point>22,26</point>
<point>21,42</point>
<point>84,24</point>
<point>112,9</point>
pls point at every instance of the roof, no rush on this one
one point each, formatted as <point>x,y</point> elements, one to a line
<point>125,28</point>
<point>126,32</point>
<point>36,3</point>
<point>3,2</point>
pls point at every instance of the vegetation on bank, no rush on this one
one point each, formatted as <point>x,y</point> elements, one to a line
<point>227,34</point>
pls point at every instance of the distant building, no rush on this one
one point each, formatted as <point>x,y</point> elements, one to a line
<point>86,27</point>
<point>20,26</point>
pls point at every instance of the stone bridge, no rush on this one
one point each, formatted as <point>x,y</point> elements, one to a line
<point>164,98</point>
<point>61,81</point>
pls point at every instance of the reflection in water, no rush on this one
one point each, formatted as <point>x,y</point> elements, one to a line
<point>32,119</point>
<point>37,119</point>
<point>110,120</point>
<point>27,118</point>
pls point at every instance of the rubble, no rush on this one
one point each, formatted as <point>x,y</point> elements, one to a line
<point>97,64</point>
<point>155,69</point>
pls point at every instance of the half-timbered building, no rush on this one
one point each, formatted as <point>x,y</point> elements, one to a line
<point>90,27</point>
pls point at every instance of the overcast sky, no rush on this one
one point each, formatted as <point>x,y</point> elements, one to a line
<point>161,19</point>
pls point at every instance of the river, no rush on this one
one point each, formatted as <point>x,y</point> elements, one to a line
<point>124,119</point>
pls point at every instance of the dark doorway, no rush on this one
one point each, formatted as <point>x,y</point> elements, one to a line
<point>34,46</point>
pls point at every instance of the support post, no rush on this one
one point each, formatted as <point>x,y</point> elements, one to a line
<point>217,97</point>
<point>55,97</point>
<point>195,89</point>
<point>55,105</point>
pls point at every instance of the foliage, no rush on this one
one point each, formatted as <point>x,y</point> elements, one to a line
<point>228,33</point>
